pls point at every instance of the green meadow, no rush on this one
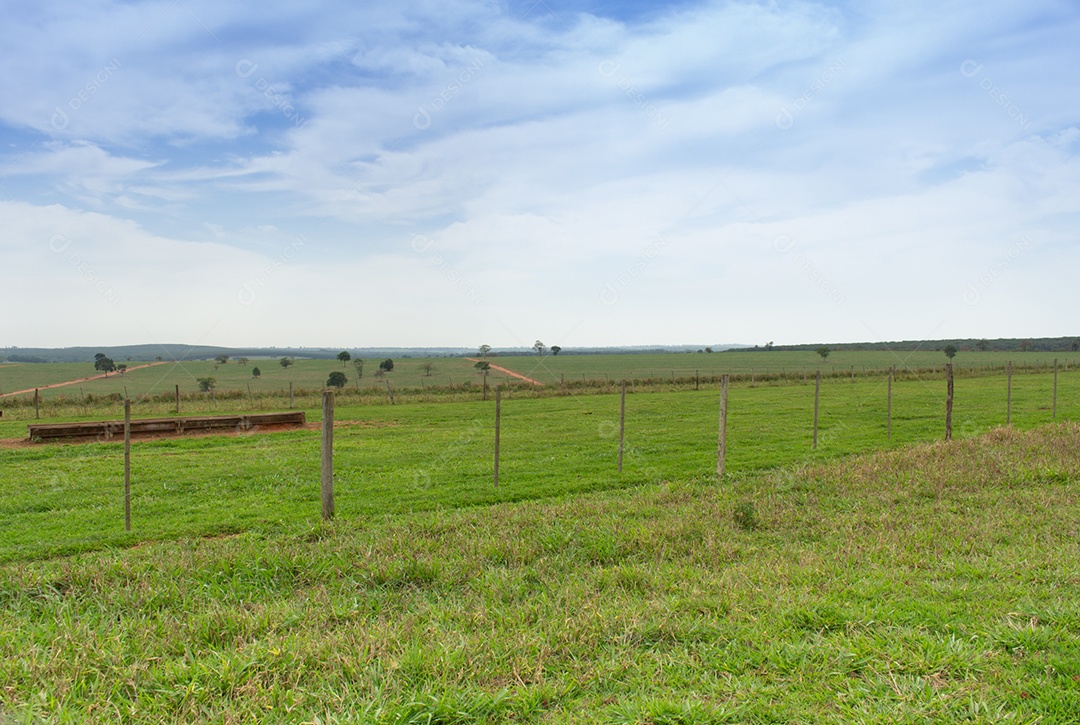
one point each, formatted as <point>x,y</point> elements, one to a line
<point>555,368</point>
<point>879,578</point>
<point>932,583</point>
<point>62,498</point>
<point>437,376</point>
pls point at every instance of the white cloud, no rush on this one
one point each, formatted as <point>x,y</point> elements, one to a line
<point>549,160</point>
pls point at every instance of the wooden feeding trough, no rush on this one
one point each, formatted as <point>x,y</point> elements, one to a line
<point>107,429</point>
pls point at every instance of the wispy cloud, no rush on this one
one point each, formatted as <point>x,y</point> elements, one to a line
<point>813,170</point>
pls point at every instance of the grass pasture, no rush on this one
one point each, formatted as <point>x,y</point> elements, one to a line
<point>63,498</point>
<point>160,380</point>
<point>937,583</point>
<point>873,580</point>
<point>551,369</point>
<point>410,376</point>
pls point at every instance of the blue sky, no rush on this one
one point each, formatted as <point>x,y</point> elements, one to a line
<point>586,173</point>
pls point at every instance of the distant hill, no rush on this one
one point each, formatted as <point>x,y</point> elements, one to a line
<point>140,353</point>
<point>205,352</point>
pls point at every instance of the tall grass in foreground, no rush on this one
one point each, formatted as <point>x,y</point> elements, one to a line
<point>938,583</point>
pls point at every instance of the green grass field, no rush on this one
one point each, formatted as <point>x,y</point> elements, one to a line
<point>411,373</point>
<point>161,379</point>
<point>389,459</point>
<point>552,369</point>
<point>937,583</point>
<point>924,582</point>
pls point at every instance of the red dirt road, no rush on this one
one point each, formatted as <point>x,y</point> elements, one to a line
<point>76,382</point>
<point>511,373</point>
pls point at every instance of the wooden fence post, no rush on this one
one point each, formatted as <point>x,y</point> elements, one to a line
<point>721,440</point>
<point>389,391</point>
<point>327,454</point>
<point>1008,394</point>
<point>36,398</point>
<point>948,401</point>
<point>888,408</point>
<point>290,395</point>
<point>817,396</point>
<point>1055,388</point>
<point>498,427</point>
<point>178,399</point>
<point>622,422</point>
<point>127,465</point>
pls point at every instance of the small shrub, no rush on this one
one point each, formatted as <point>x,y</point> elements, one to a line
<point>745,516</point>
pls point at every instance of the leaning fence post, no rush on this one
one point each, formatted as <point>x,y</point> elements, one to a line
<point>36,398</point>
<point>127,465</point>
<point>327,454</point>
<point>721,441</point>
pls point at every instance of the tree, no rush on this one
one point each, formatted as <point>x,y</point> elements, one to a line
<point>824,352</point>
<point>359,365</point>
<point>221,359</point>
<point>344,357</point>
<point>285,362</point>
<point>104,364</point>
<point>242,361</point>
<point>255,372</point>
<point>482,366</point>
<point>121,368</point>
<point>539,347</point>
<point>386,365</point>
<point>206,384</point>
<point>484,350</point>
<point>427,367</point>
<point>950,351</point>
<point>981,345</point>
<point>555,349</point>
<point>708,349</point>
<point>337,379</point>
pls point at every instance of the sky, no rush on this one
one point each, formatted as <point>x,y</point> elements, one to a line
<point>582,172</point>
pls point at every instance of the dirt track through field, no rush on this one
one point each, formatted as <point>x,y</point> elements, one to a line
<point>80,380</point>
<point>511,373</point>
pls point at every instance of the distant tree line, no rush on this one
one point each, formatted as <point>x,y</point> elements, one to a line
<point>1042,344</point>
